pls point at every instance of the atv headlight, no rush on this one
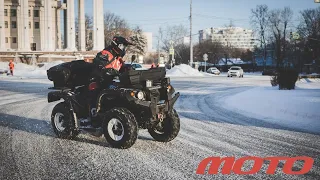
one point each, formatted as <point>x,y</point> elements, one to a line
<point>140,95</point>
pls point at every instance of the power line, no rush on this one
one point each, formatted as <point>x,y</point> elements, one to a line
<point>223,18</point>
<point>161,19</point>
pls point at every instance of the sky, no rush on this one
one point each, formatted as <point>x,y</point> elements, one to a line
<point>152,14</point>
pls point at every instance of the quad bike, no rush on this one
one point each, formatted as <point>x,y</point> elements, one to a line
<point>139,99</point>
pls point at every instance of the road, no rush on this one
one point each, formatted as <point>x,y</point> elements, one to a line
<point>30,150</point>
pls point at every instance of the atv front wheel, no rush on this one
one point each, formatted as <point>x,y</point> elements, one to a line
<point>120,128</point>
<point>168,129</point>
<point>62,122</point>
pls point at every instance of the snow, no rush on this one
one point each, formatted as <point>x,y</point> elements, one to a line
<point>183,70</point>
<point>24,70</point>
<point>297,108</point>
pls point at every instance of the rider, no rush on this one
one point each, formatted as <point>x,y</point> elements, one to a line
<point>108,63</point>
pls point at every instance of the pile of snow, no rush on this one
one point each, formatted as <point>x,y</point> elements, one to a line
<point>297,108</point>
<point>183,70</point>
<point>24,70</point>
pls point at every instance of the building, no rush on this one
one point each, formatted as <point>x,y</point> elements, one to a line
<point>235,37</point>
<point>148,36</point>
<point>36,25</point>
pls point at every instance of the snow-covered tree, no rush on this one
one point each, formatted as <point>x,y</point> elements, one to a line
<point>139,41</point>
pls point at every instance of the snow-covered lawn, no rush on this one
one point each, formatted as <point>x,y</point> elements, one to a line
<point>28,71</point>
<point>299,108</point>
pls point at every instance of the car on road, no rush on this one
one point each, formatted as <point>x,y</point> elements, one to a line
<point>213,70</point>
<point>235,71</point>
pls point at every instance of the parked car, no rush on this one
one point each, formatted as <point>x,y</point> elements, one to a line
<point>235,71</point>
<point>213,70</point>
<point>134,66</point>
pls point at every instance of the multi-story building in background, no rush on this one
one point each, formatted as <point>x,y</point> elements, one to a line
<point>148,36</point>
<point>38,25</point>
<point>235,37</point>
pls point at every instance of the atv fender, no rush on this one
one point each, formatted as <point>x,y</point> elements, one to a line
<point>59,94</point>
<point>54,96</point>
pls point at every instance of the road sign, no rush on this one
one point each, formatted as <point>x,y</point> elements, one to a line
<point>205,57</point>
<point>171,51</point>
<point>295,36</point>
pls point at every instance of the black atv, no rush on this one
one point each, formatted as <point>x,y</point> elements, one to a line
<point>139,99</point>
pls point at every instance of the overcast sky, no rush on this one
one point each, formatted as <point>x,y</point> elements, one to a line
<point>151,14</point>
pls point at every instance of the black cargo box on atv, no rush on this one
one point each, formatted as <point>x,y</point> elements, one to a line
<point>70,74</point>
<point>135,78</point>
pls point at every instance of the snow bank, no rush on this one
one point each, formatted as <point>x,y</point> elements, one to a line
<point>297,108</point>
<point>24,70</point>
<point>183,70</point>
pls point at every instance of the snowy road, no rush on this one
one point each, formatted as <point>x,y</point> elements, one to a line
<point>30,150</point>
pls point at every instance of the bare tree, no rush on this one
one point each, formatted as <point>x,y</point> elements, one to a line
<point>115,25</point>
<point>279,20</point>
<point>175,33</point>
<point>309,30</point>
<point>88,31</point>
<point>259,21</point>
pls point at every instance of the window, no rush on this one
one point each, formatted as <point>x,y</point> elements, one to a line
<point>90,36</point>
<point>29,25</point>
<point>14,24</point>
<point>29,12</point>
<point>6,12</point>
<point>6,24</point>
<point>13,12</point>
<point>36,13</point>
<point>7,40</point>
<point>36,25</point>
<point>14,40</point>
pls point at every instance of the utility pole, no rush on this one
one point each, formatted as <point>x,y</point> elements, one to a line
<point>158,50</point>
<point>191,47</point>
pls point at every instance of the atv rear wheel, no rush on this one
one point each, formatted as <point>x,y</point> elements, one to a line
<point>62,122</point>
<point>168,129</point>
<point>120,128</point>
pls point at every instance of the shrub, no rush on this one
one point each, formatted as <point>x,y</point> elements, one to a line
<point>274,80</point>
<point>286,78</point>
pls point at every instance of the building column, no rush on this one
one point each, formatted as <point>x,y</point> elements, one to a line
<point>98,25</point>
<point>48,25</point>
<point>81,26</point>
<point>42,30</point>
<point>58,29</point>
<point>23,26</point>
<point>71,32</point>
<point>2,28</point>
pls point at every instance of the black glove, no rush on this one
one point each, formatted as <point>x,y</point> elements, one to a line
<point>101,60</point>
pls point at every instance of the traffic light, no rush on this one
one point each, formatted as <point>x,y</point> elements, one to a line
<point>291,36</point>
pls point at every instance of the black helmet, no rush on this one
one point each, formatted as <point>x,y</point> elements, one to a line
<point>119,45</point>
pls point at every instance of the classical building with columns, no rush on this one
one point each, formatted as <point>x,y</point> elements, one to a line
<point>36,25</point>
